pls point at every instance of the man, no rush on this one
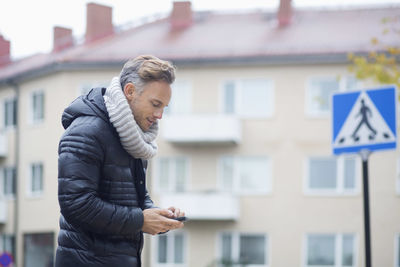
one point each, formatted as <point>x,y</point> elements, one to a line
<point>109,135</point>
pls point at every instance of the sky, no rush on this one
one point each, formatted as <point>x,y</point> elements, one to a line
<point>29,24</point>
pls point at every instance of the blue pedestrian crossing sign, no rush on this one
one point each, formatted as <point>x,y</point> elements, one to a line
<point>364,120</point>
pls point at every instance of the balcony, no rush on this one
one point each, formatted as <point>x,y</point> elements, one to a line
<point>3,145</point>
<point>201,129</point>
<point>3,211</point>
<point>213,206</point>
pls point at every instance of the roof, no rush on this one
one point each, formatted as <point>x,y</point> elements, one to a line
<point>312,36</point>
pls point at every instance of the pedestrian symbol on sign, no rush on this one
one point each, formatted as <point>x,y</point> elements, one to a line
<point>363,120</point>
<point>364,112</point>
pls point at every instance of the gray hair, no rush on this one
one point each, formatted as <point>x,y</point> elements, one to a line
<point>144,69</point>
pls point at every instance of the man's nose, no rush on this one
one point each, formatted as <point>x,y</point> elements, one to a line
<point>158,114</point>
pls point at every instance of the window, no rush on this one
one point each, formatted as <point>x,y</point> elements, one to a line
<point>397,251</point>
<point>38,250</point>
<point>330,250</point>
<point>10,112</point>
<point>245,175</point>
<point>319,95</point>
<point>332,175</point>
<point>320,89</point>
<point>85,88</point>
<point>181,100</point>
<point>249,98</point>
<point>37,114</point>
<point>349,83</point>
<point>8,181</point>
<point>238,249</point>
<point>7,244</point>
<point>36,181</point>
<point>172,174</point>
<point>170,249</point>
<point>398,176</point>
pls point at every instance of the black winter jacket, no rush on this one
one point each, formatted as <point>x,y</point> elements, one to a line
<point>101,190</point>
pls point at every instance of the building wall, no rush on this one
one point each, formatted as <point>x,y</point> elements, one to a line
<point>286,214</point>
<point>9,161</point>
<point>288,137</point>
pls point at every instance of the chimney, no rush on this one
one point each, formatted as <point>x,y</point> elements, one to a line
<point>285,13</point>
<point>4,51</point>
<point>98,22</point>
<point>181,15</point>
<point>62,39</point>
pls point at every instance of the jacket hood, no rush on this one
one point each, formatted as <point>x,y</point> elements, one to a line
<point>91,104</point>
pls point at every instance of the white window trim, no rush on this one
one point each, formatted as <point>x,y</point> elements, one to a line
<point>190,96</point>
<point>31,120</point>
<point>156,168</point>
<point>170,249</point>
<point>3,122</point>
<point>236,245</point>
<point>238,95</point>
<point>236,189</point>
<point>29,192</point>
<point>338,249</point>
<point>339,190</point>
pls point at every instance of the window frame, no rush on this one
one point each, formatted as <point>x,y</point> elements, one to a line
<point>32,235</point>
<point>171,249</point>
<point>238,89</point>
<point>338,253</point>
<point>3,170</point>
<point>235,249</point>
<point>342,81</point>
<point>12,99</point>
<point>29,184</point>
<point>31,110</point>
<point>236,170</point>
<point>11,238</point>
<point>156,171</point>
<point>339,190</point>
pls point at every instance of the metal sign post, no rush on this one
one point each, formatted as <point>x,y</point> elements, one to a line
<point>367,229</point>
<point>364,121</point>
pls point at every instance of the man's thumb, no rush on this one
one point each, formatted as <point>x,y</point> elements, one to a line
<point>166,213</point>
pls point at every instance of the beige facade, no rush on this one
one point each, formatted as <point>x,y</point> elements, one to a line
<point>284,214</point>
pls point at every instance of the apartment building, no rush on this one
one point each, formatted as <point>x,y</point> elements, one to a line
<point>244,146</point>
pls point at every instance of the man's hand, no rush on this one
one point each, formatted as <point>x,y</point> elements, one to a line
<point>159,220</point>
<point>177,212</point>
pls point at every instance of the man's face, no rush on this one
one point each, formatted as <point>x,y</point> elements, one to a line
<point>148,106</point>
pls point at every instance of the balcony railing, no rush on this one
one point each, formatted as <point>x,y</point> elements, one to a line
<point>3,145</point>
<point>204,129</point>
<point>214,206</point>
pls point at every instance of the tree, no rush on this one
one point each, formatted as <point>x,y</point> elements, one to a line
<point>382,66</point>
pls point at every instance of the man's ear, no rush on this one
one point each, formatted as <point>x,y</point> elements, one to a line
<point>129,91</point>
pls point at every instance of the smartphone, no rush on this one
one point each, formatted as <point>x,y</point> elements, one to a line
<point>181,219</point>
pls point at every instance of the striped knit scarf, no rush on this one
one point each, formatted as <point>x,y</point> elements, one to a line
<point>137,143</point>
